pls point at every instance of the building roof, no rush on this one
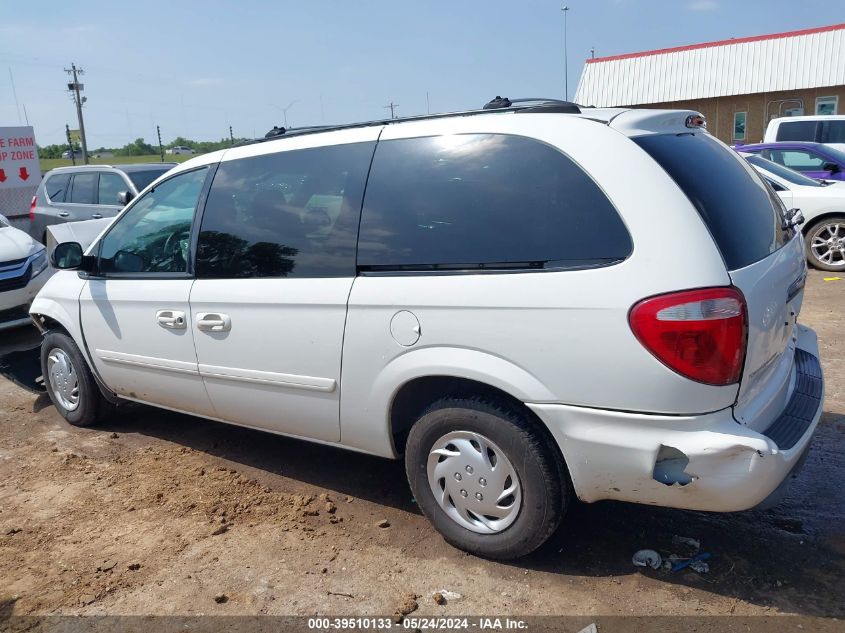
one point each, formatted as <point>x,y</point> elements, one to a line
<point>810,58</point>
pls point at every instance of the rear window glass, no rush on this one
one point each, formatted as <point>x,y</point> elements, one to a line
<point>142,178</point>
<point>797,131</point>
<point>743,214</point>
<point>833,132</point>
<point>484,201</point>
<point>56,186</point>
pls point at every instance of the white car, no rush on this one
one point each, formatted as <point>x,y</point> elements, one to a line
<point>23,263</point>
<point>179,149</point>
<point>819,128</point>
<point>821,203</point>
<point>483,294</point>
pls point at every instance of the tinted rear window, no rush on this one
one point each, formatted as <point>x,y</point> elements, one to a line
<point>797,131</point>
<point>142,178</point>
<point>743,214</point>
<point>833,132</point>
<point>56,186</point>
<point>484,200</point>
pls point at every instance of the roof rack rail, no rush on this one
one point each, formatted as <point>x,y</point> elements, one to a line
<point>540,103</point>
<point>497,105</point>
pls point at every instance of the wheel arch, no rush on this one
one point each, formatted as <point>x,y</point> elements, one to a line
<point>820,218</point>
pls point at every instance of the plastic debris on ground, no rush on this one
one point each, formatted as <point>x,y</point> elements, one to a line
<point>647,558</point>
<point>590,628</point>
<point>695,563</point>
<point>832,278</point>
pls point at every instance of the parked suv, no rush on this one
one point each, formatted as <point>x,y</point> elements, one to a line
<point>69,194</point>
<point>484,294</point>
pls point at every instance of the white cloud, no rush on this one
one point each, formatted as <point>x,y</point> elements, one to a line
<point>703,5</point>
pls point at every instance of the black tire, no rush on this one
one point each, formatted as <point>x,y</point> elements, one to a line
<point>544,481</point>
<point>820,227</point>
<point>91,403</point>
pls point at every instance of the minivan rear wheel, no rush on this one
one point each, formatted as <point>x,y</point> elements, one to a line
<point>825,244</point>
<point>69,381</point>
<point>485,476</point>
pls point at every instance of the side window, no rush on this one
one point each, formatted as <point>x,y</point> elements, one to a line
<point>83,189</point>
<point>833,132</point>
<point>797,131</point>
<point>799,160</point>
<point>111,184</point>
<point>289,214</point>
<point>154,235</point>
<point>484,201</point>
<point>56,187</point>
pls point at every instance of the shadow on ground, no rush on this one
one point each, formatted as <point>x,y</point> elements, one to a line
<point>791,557</point>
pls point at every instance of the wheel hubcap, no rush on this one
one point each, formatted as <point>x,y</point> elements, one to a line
<point>474,482</point>
<point>64,383</point>
<point>828,244</point>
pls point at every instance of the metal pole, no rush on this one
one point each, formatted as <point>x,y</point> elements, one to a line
<point>70,145</point>
<point>565,10</point>
<point>160,148</point>
<point>78,101</point>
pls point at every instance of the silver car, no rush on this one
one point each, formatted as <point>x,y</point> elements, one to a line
<point>70,194</point>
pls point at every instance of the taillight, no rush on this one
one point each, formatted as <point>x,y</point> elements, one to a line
<point>701,334</point>
<point>32,208</point>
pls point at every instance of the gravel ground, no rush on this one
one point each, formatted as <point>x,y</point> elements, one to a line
<point>159,513</point>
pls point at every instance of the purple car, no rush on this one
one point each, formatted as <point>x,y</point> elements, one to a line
<point>815,160</point>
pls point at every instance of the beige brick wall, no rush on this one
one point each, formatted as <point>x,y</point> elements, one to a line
<point>760,108</point>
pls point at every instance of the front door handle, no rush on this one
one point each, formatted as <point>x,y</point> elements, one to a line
<point>171,319</point>
<point>63,214</point>
<point>213,322</point>
<point>97,216</point>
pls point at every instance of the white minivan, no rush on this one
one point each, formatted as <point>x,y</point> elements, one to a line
<point>485,294</point>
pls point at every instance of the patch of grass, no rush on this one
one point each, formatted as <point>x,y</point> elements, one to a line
<point>51,163</point>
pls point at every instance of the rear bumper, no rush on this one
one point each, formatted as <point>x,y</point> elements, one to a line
<point>704,462</point>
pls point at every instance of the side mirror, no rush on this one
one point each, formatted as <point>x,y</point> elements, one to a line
<point>124,197</point>
<point>832,167</point>
<point>793,218</point>
<point>66,256</point>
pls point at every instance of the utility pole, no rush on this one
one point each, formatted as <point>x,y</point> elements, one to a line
<point>75,88</point>
<point>231,136</point>
<point>70,145</point>
<point>565,10</point>
<point>392,107</point>
<point>160,147</point>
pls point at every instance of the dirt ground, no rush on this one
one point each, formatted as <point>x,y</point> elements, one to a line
<point>159,513</point>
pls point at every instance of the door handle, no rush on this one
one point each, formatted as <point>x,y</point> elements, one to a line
<point>171,319</point>
<point>213,322</point>
<point>63,214</point>
<point>96,216</point>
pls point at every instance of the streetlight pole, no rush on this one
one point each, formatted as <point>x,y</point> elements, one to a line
<point>565,10</point>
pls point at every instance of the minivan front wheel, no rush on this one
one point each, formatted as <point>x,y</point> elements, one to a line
<point>485,477</point>
<point>69,382</point>
<point>825,244</point>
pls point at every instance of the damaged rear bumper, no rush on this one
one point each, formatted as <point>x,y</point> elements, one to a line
<point>703,462</point>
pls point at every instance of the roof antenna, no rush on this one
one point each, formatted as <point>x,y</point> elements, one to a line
<point>498,102</point>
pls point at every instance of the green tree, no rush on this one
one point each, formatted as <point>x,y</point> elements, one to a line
<point>138,147</point>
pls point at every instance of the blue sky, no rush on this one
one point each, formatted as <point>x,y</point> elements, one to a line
<point>195,68</point>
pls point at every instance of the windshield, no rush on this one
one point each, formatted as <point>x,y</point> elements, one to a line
<point>780,171</point>
<point>142,178</point>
